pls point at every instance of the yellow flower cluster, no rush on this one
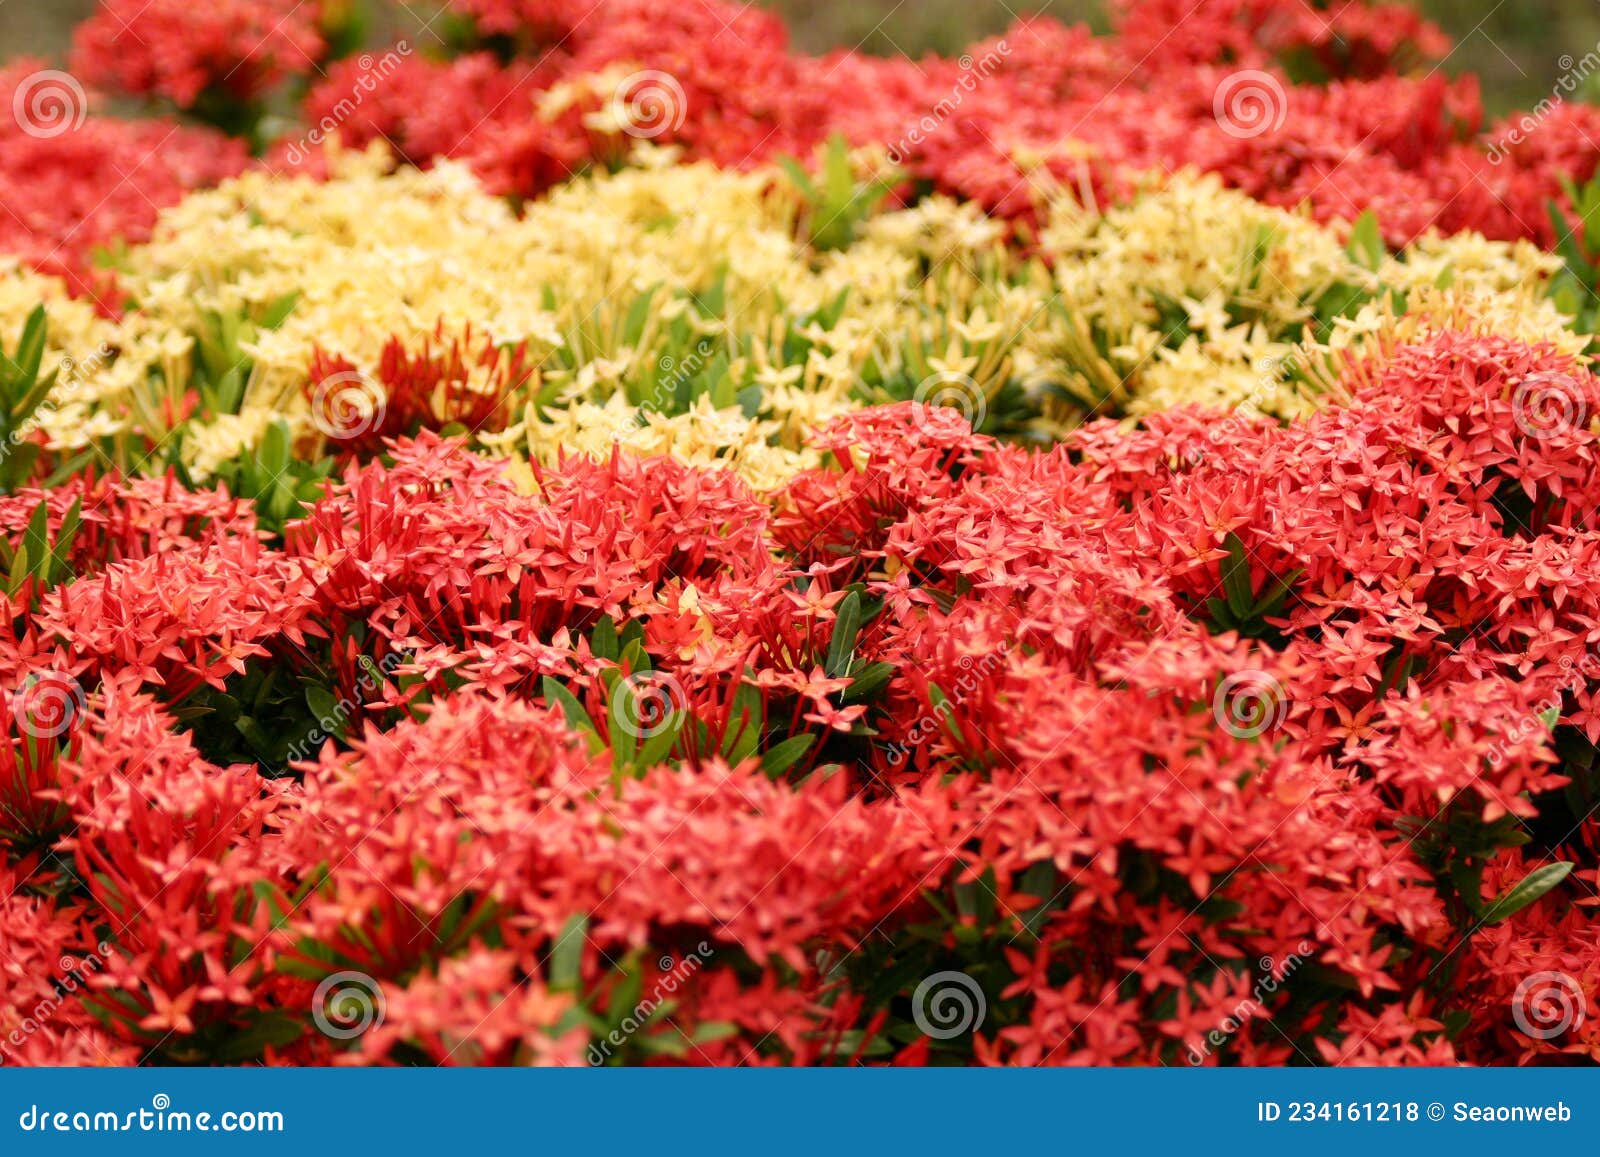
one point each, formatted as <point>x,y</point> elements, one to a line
<point>1194,294</point>
<point>679,309</point>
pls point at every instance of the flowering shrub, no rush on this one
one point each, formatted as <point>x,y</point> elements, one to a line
<point>635,554</point>
<point>75,182</point>
<point>238,48</point>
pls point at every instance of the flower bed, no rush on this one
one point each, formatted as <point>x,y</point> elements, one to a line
<point>610,541</point>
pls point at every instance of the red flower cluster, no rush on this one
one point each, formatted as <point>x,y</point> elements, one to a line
<point>1353,134</point>
<point>1352,41</point>
<point>73,182</point>
<point>1290,104</point>
<point>1136,740</point>
<point>186,52</point>
<point>449,383</point>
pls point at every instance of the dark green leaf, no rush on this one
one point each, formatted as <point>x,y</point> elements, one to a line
<point>845,627</point>
<point>565,967</point>
<point>1236,582</point>
<point>1526,890</point>
<point>778,760</point>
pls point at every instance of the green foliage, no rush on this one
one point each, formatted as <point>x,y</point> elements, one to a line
<point>274,714</point>
<point>281,485</point>
<point>22,391</point>
<point>620,1018</point>
<point>837,203</point>
<point>1525,891</point>
<point>1576,288</point>
<point>1457,845</point>
<point>1366,247</point>
<point>265,716</point>
<point>222,367</point>
<point>38,558</point>
<point>642,717</point>
<point>1248,606</point>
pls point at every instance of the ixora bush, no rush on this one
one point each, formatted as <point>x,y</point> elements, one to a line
<point>680,552</point>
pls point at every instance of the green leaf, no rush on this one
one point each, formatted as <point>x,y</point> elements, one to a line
<point>36,541</point>
<point>620,732</point>
<point>945,712</point>
<point>19,466</point>
<point>741,746</point>
<point>61,550</point>
<point>868,681</point>
<point>1467,876</point>
<point>1526,890</point>
<point>565,967</point>
<point>797,173</point>
<point>32,398</point>
<point>713,1030</point>
<point>745,721</point>
<point>638,317</point>
<point>778,760</point>
<point>975,899</point>
<point>1271,600</point>
<point>840,180</point>
<point>656,749</point>
<point>268,1028</point>
<point>1236,583</point>
<point>20,570</point>
<point>845,628</point>
<point>1366,247</point>
<point>554,692</point>
<point>1217,611</point>
<point>1567,240</point>
<point>273,454</point>
<point>633,657</point>
<point>277,312</point>
<point>603,640</point>
<point>30,348</point>
<point>329,715</point>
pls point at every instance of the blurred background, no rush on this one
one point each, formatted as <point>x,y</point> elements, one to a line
<point>1514,45</point>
